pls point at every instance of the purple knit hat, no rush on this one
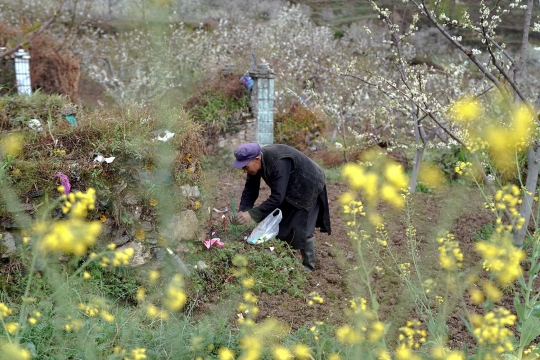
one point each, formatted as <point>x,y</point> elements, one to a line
<point>244,153</point>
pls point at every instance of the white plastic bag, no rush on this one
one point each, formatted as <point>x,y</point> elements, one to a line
<point>267,229</point>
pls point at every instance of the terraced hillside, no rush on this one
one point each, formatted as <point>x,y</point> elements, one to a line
<point>340,13</point>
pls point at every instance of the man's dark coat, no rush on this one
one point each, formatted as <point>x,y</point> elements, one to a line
<point>297,187</point>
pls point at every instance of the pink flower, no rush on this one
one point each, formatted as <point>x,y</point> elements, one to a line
<point>64,180</point>
<point>209,243</point>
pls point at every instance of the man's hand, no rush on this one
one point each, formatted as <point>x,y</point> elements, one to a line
<point>244,218</point>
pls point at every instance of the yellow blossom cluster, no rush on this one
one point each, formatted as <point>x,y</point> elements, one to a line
<point>136,354</point>
<point>255,337</point>
<point>507,139</point>
<point>249,305</point>
<point>366,326</point>
<point>67,236</point>
<point>532,351</point>
<point>315,330</point>
<point>251,346</point>
<point>511,130</point>
<point>488,289</point>
<point>347,334</point>
<point>73,235</point>
<point>73,324</point>
<point>404,270</point>
<point>501,257</point>
<point>450,255</point>
<point>403,352</point>
<point>78,203</point>
<point>5,311</point>
<point>154,312</point>
<point>381,235</point>
<point>477,145</point>
<point>11,145</point>
<point>95,308</point>
<point>175,298</point>
<point>411,335</point>
<point>14,351</point>
<point>508,198</point>
<point>354,207</point>
<point>11,327</point>
<point>462,166</point>
<point>466,110</point>
<point>315,299</point>
<point>431,175</point>
<point>442,353</point>
<point>225,354</point>
<point>492,329</point>
<point>378,177</point>
<point>122,257</point>
<point>33,319</point>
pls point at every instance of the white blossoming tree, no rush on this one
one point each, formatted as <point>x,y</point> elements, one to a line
<point>503,69</point>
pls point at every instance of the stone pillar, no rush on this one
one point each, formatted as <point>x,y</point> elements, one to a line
<point>22,72</point>
<point>262,103</point>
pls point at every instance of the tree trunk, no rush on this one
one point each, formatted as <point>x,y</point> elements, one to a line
<point>533,154</point>
<point>418,156</point>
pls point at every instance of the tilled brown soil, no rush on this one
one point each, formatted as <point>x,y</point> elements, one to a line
<point>459,211</point>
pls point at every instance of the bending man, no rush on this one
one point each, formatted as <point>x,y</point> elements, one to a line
<point>297,187</point>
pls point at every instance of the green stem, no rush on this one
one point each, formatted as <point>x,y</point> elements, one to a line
<point>22,314</point>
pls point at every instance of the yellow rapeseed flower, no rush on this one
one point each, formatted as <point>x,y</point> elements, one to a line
<point>477,296</point>
<point>5,310</point>
<point>175,298</point>
<point>302,351</point>
<point>73,235</point>
<point>281,353</point>
<point>450,255</point>
<point>153,275</point>
<point>108,317</point>
<point>376,331</point>
<point>12,327</point>
<point>251,347</point>
<point>442,353</point>
<point>405,353</point>
<point>141,294</point>
<point>493,330</point>
<point>431,175</point>
<point>13,351</point>
<point>153,312</point>
<point>502,258</point>
<point>347,335</point>
<point>225,354</point>
<point>137,354</point>
<point>395,175</point>
<point>11,145</point>
<point>466,109</point>
<point>493,292</point>
<point>122,257</point>
<point>248,283</point>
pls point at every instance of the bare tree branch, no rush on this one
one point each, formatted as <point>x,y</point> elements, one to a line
<point>36,33</point>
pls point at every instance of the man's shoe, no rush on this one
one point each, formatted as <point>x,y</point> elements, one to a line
<point>308,254</point>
